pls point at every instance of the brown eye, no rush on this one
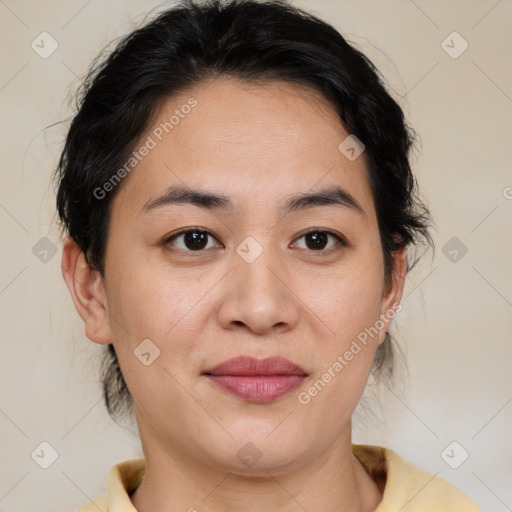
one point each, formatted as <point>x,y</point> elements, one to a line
<point>197,240</point>
<point>193,240</point>
<point>318,240</point>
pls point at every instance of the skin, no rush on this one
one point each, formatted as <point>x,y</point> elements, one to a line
<point>258,144</point>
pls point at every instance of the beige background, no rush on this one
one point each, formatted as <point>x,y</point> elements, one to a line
<point>457,321</point>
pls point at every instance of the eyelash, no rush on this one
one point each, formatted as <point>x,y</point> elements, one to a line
<point>167,242</point>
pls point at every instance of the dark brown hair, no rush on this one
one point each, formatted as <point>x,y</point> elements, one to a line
<point>253,41</point>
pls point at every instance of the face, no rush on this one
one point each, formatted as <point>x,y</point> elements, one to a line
<point>254,277</point>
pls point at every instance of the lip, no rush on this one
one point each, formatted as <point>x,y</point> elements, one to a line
<point>251,366</point>
<point>257,380</point>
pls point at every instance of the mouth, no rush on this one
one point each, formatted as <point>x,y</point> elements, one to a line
<point>257,380</point>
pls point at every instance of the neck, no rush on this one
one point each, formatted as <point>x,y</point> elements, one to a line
<point>334,481</point>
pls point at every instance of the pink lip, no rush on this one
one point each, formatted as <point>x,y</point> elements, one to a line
<point>257,380</point>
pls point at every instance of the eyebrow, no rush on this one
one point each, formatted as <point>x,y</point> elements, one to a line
<point>181,194</point>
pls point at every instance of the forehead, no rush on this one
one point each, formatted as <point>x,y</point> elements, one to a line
<point>255,142</point>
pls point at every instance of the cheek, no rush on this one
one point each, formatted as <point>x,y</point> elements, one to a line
<point>355,310</point>
<point>347,301</point>
<point>167,306</point>
<point>147,306</point>
<point>150,295</point>
<point>351,308</point>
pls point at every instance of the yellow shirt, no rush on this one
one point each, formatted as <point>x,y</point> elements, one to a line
<point>405,487</point>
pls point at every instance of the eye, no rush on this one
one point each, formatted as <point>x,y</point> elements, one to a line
<point>317,240</point>
<point>193,240</point>
<point>196,240</point>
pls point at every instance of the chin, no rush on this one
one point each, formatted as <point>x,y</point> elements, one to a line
<point>260,447</point>
<point>259,461</point>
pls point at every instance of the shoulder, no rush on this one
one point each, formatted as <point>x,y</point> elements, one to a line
<point>96,505</point>
<point>123,478</point>
<point>409,488</point>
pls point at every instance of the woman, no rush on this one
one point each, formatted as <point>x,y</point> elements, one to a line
<point>241,216</point>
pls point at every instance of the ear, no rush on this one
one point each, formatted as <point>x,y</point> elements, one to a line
<point>393,294</point>
<point>87,291</point>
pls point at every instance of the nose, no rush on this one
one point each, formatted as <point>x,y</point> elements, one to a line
<point>259,296</point>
